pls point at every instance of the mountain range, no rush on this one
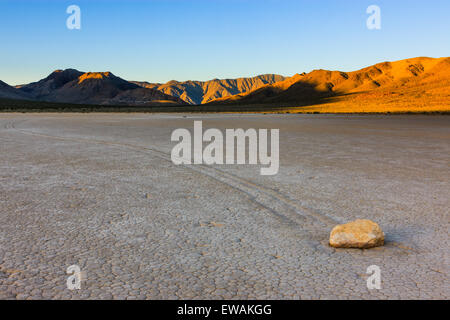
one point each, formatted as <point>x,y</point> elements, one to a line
<point>200,92</point>
<point>422,77</point>
<point>101,88</point>
<point>410,82</point>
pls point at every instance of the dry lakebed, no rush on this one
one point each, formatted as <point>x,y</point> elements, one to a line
<point>100,191</point>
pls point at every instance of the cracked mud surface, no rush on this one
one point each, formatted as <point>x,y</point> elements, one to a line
<point>100,191</point>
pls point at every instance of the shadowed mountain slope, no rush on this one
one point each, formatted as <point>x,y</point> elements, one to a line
<point>9,92</point>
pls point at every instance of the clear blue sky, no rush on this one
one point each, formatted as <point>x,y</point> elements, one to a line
<point>161,40</point>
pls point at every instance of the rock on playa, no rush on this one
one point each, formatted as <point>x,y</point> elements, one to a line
<point>357,234</point>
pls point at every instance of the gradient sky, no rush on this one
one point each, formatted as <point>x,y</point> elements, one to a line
<point>161,40</point>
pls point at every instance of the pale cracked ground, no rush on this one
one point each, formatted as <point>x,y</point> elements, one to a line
<point>99,191</point>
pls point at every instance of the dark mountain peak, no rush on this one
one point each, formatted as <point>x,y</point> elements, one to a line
<point>55,80</point>
<point>68,74</point>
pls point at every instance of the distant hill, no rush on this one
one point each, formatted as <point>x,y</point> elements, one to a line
<point>412,82</point>
<point>9,92</point>
<point>199,92</point>
<point>101,88</point>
